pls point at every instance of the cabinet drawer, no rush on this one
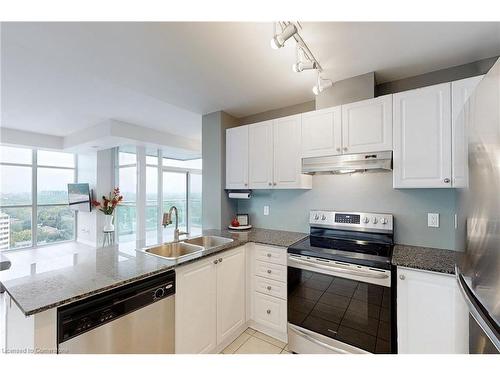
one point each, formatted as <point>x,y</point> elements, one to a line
<point>270,287</point>
<point>270,311</point>
<point>270,254</point>
<point>270,271</point>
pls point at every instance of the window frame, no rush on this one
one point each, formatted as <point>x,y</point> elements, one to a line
<point>34,198</point>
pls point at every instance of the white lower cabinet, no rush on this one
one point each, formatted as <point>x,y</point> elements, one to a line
<point>269,290</point>
<point>431,314</point>
<point>210,302</point>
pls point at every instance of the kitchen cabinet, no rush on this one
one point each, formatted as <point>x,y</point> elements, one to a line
<point>237,158</point>
<point>422,138</point>
<point>460,92</point>
<point>269,290</point>
<point>260,155</point>
<point>210,302</point>
<point>231,313</point>
<point>367,125</point>
<point>274,155</point>
<point>431,315</point>
<point>321,132</point>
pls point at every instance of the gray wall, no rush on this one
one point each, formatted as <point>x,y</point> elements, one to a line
<point>347,91</point>
<point>371,192</point>
<point>277,113</point>
<point>216,208</point>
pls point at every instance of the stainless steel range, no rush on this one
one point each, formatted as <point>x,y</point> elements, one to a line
<point>340,285</point>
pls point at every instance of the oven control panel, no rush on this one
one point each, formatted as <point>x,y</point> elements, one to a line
<point>352,220</point>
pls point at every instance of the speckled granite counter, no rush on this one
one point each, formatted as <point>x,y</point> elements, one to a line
<point>49,277</point>
<point>425,258</point>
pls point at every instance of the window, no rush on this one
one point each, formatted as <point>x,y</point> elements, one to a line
<point>127,181</point>
<point>167,183</point>
<point>33,197</point>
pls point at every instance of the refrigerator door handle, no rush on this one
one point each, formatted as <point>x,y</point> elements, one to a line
<point>474,311</point>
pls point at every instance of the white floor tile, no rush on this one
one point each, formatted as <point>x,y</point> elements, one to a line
<point>257,346</point>
<point>270,339</point>
<point>250,331</point>
<point>231,348</point>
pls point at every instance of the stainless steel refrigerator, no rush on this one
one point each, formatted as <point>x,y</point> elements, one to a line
<point>478,271</point>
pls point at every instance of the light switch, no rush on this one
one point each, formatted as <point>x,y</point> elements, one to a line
<point>433,220</point>
<point>266,210</point>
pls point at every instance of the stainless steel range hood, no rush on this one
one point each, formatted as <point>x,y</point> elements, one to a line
<point>373,161</point>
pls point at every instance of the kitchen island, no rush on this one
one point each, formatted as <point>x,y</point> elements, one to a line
<point>54,276</point>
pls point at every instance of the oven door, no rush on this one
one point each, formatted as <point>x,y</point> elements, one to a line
<point>336,307</point>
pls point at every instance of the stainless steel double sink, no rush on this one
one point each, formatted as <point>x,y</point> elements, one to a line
<point>190,246</point>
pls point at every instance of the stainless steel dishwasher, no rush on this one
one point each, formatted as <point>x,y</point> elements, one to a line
<point>135,318</point>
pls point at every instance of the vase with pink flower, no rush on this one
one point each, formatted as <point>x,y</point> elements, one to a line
<point>107,206</point>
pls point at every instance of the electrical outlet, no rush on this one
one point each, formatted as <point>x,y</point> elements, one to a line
<point>433,220</point>
<point>266,210</point>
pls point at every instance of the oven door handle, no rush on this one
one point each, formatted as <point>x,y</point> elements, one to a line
<point>373,275</point>
<point>316,341</point>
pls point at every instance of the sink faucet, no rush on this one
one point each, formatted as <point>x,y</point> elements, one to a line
<point>167,219</point>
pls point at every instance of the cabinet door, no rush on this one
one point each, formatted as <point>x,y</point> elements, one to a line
<point>422,138</point>
<point>261,155</point>
<point>322,132</point>
<point>231,310</point>
<point>367,125</point>
<point>195,308</point>
<point>429,316</point>
<point>237,158</point>
<point>460,93</point>
<point>287,160</point>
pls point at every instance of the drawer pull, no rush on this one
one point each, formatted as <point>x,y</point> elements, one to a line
<point>269,287</point>
<point>220,259</point>
<point>216,261</point>
<point>269,255</point>
<point>268,311</point>
<point>269,271</point>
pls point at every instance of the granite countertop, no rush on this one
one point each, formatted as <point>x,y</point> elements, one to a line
<point>425,258</point>
<point>4,262</point>
<point>45,278</point>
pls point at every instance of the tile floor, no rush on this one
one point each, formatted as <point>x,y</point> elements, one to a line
<point>255,342</point>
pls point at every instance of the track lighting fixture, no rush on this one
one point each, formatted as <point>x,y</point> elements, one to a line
<point>287,32</point>
<point>303,61</point>
<point>321,85</point>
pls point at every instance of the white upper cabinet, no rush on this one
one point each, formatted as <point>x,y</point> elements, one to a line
<point>287,161</point>
<point>460,93</point>
<point>260,147</point>
<point>274,155</point>
<point>237,158</point>
<point>422,138</point>
<point>322,132</point>
<point>367,125</point>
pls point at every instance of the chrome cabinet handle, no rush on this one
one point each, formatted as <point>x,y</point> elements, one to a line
<point>339,149</point>
<point>216,261</point>
<point>446,180</point>
<point>402,277</point>
<point>269,287</point>
<point>269,255</point>
<point>274,184</point>
<point>345,148</point>
<point>220,260</point>
<point>269,271</point>
<point>246,184</point>
<point>268,311</point>
<point>270,183</point>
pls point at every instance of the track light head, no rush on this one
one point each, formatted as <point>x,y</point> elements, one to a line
<point>304,65</point>
<point>279,40</point>
<point>322,85</point>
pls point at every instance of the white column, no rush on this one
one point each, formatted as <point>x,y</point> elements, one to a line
<point>141,193</point>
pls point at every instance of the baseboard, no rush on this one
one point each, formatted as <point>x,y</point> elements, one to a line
<point>230,339</point>
<point>282,336</point>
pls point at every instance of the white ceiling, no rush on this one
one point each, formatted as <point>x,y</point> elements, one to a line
<point>58,78</point>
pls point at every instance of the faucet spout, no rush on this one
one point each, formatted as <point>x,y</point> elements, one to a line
<point>167,220</point>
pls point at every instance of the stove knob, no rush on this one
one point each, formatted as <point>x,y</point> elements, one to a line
<point>383,220</point>
<point>374,220</point>
<point>316,217</point>
<point>323,217</point>
<point>366,220</point>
